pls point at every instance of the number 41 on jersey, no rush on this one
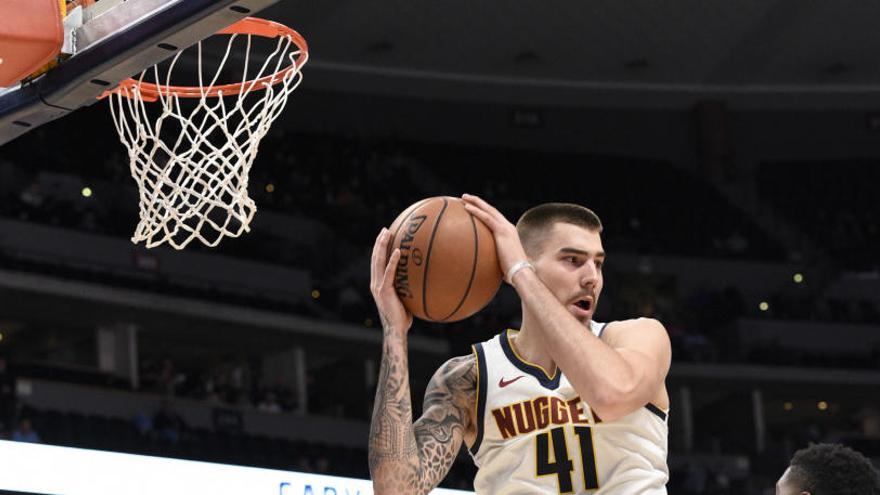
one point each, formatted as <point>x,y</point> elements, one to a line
<point>554,443</point>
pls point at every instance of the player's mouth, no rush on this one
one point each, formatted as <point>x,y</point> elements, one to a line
<point>583,307</point>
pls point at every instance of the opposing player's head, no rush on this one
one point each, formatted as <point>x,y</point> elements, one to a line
<point>564,243</point>
<point>829,469</point>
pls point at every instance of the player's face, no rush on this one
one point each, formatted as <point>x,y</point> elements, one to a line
<point>570,265</point>
<point>786,486</point>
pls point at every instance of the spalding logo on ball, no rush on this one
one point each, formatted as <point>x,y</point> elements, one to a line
<point>448,268</point>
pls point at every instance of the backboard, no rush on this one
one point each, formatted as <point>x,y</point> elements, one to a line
<point>116,39</point>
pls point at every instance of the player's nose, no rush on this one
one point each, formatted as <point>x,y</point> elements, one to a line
<point>589,275</point>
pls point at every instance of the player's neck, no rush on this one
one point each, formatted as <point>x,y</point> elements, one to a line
<point>528,345</point>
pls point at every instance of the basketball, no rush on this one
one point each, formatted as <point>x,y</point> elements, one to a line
<point>448,268</point>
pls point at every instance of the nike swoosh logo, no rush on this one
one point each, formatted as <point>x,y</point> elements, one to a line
<point>504,383</point>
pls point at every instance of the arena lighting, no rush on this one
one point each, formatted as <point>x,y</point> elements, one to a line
<point>87,192</point>
<point>798,278</point>
<point>49,470</point>
<point>763,306</point>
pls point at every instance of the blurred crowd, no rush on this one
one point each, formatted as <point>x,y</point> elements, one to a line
<point>354,186</point>
<point>834,202</point>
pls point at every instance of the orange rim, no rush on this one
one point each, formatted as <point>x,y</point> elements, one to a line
<point>249,25</point>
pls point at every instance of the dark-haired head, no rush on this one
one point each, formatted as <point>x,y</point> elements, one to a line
<point>535,223</point>
<point>829,469</point>
<point>564,244</point>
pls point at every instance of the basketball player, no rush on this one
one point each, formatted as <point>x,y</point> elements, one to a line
<point>564,405</point>
<point>829,469</point>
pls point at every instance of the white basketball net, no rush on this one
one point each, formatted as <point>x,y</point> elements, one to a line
<point>191,162</point>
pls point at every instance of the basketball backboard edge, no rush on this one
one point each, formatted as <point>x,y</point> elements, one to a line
<point>122,41</point>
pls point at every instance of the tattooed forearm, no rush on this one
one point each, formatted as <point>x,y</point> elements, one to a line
<point>392,448</point>
<point>413,458</point>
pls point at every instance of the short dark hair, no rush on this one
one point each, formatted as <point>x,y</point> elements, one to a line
<point>536,221</point>
<point>833,469</point>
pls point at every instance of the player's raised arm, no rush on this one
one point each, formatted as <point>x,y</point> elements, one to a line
<point>615,377</point>
<point>407,458</point>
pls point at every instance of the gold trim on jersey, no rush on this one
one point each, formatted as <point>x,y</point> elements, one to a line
<point>477,419</point>
<point>524,361</point>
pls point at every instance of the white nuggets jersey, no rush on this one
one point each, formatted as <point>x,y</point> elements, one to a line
<point>536,436</point>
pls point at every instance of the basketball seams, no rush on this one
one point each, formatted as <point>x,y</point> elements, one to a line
<point>428,258</point>
<point>406,216</point>
<point>453,287</point>
<point>473,269</point>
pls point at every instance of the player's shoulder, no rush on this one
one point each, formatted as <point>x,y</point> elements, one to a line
<point>641,321</point>
<point>458,373</point>
<point>641,325</point>
<point>459,362</point>
<point>454,384</point>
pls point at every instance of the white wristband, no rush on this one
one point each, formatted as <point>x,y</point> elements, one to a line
<point>519,265</point>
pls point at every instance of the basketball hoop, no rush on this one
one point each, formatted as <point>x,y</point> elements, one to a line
<point>191,165</point>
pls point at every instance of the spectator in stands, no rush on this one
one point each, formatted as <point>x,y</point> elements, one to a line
<point>829,469</point>
<point>269,403</point>
<point>869,422</point>
<point>25,432</point>
<point>303,464</point>
<point>168,423</point>
<point>143,422</point>
<point>169,378</point>
<point>322,464</point>
<point>865,437</point>
<point>7,395</point>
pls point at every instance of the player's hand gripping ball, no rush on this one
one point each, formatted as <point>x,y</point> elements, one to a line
<point>448,268</point>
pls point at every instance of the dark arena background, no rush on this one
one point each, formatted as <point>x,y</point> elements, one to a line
<point>732,151</point>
